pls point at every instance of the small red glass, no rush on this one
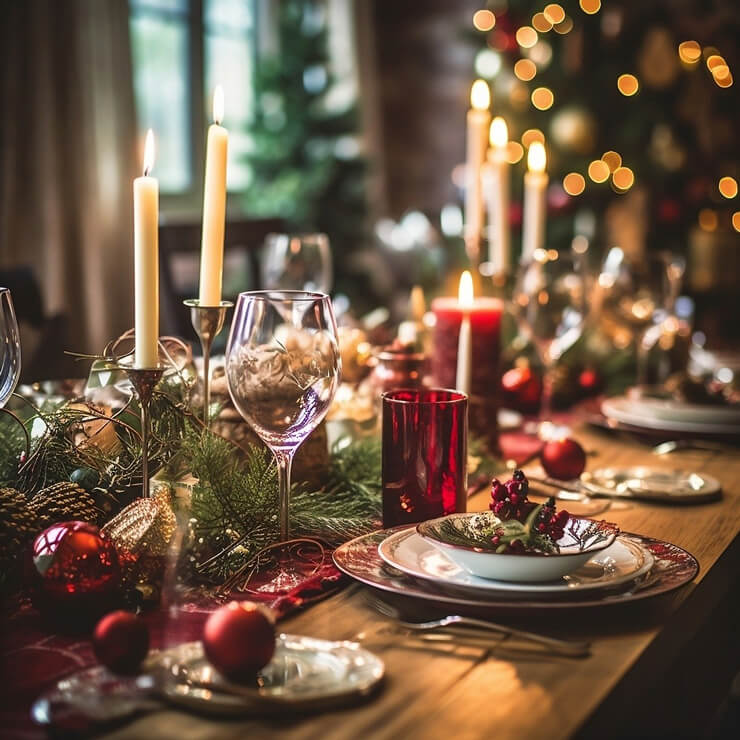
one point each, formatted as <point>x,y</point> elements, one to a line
<point>424,454</point>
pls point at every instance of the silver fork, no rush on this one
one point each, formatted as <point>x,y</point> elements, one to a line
<point>675,445</point>
<point>481,627</point>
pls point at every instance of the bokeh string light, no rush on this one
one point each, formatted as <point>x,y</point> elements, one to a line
<point>526,37</point>
<point>574,183</point>
<point>736,220</point>
<point>530,136</point>
<point>590,6</point>
<point>627,84</point>
<point>598,171</point>
<point>554,13</point>
<point>708,219</point>
<point>514,152</point>
<point>623,178</point>
<point>542,98</point>
<point>525,70</point>
<point>727,187</point>
<point>689,52</point>
<point>566,26</point>
<point>484,20</point>
<point>612,159</point>
<point>541,23</point>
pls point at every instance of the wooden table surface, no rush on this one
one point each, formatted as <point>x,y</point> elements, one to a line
<point>657,667</point>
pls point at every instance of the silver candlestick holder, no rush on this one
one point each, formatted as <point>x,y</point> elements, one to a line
<point>207,322</point>
<point>144,380</point>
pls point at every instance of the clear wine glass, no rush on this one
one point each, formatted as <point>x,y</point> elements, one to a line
<point>282,369</point>
<point>297,262</point>
<point>10,347</point>
<point>548,303</point>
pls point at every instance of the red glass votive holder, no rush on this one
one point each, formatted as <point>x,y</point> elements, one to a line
<point>425,454</point>
<point>485,380</point>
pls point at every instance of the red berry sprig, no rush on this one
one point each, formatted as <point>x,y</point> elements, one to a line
<point>545,525</point>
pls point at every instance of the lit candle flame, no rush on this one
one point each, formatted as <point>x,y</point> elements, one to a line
<point>480,95</point>
<point>218,105</point>
<point>465,291</point>
<point>148,152</point>
<point>498,134</point>
<point>536,157</point>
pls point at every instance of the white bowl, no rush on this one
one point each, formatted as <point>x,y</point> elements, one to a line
<point>581,540</point>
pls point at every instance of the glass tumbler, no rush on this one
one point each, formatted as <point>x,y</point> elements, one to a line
<point>424,454</point>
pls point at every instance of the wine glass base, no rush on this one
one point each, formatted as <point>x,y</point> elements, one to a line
<point>546,430</point>
<point>284,566</point>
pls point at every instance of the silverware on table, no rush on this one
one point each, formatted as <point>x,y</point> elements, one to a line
<point>676,445</point>
<point>468,630</point>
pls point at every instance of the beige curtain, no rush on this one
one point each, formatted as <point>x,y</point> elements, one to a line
<point>68,146</point>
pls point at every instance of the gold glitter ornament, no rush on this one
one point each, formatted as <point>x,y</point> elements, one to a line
<point>142,533</point>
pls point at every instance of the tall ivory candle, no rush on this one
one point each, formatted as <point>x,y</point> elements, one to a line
<point>496,187</point>
<point>465,299</point>
<point>478,120</point>
<point>535,185</point>
<point>146,262</point>
<point>214,207</point>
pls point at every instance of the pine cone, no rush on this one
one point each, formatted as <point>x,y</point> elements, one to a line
<point>16,523</point>
<point>61,502</point>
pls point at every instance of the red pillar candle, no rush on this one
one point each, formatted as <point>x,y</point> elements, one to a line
<point>485,323</point>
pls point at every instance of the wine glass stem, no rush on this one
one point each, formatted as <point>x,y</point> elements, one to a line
<point>547,389</point>
<point>284,462</point>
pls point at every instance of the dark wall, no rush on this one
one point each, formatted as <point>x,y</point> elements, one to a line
<point>425,67</point>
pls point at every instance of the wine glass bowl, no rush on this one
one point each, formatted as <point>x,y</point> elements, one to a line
<point>297,262</point>
<point>548,304</point>
<point>10,347</point>
<point>282,369</point>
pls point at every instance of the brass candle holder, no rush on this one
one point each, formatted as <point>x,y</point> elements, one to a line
<point>144,380</point>
<point>207,322</point>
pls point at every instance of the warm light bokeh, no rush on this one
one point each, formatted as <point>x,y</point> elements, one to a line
<point>728,186</point>
<point>598,170</point>
<point>542,98</point>
<point>525,70</point>
<point>574,183</point>
<point>484,20</point>
<point>526,37</point>
<point>612,159</point>
<point>627,84</point>
<point>531,135</point>
<point>590,6</point>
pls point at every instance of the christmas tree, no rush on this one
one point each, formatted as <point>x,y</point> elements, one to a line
<point>635,102</point>
<point>305,158</point>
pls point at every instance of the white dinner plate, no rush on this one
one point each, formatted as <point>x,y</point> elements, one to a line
<point>620,563</point>
<point>626,411</point>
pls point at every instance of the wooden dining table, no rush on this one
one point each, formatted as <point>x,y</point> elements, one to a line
<point>657,668</point>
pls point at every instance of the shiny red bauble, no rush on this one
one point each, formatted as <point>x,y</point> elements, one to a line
<point>239,639</point>
<point>563,459</point>
<point>73,574</point>
<point>521,389</point>
<point>121,641</point>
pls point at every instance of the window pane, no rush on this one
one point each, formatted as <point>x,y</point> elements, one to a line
<point>159,42</point>
<point>228,61</point>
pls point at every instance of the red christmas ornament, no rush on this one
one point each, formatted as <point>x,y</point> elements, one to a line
<point>74,574</point>
<point>563,459</point>
<point>239,639</point>
<point>589,381</point>
<point>521,389</point>
<point>121,642</point>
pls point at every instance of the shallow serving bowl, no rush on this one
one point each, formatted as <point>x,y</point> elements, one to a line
<point>459,537</point>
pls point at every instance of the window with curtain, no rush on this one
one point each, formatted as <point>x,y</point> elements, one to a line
<point>181,50</point>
